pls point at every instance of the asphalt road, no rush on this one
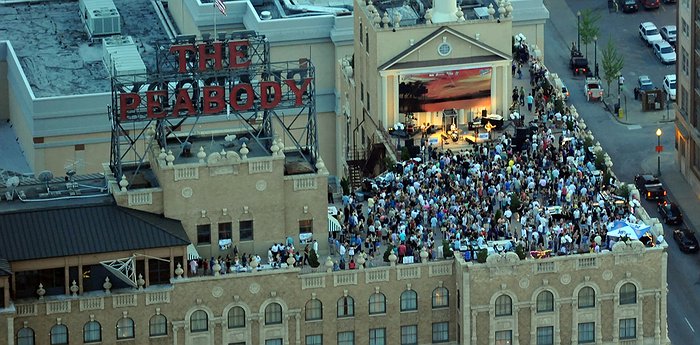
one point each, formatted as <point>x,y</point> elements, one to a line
<point>631,147</point>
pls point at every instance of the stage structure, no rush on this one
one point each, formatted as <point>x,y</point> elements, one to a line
<point>228,78</point>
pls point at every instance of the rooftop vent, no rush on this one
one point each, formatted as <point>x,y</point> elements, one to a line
<point>101,17</point>
<point>265,15</point>
<point>122,59</point>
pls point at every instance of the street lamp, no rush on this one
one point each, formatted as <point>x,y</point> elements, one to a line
<point>658,152</point>
<point>595,50</point>
<point>578,29</point>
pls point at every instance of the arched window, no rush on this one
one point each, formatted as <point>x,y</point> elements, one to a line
<point>504,305</point>
<point>545,302</point>
<point>346,306</point>
<point>125,328</point>
<point>441,297</point>
<point>236,317</point>
<point>586,298</point>
<point>59,335</point>
<point>92,332</point>
<point>273,314</point>
<point>158,325</point>
<point>377,303</point>
<point>199,321</point>
<point>25,336</point>
<point>409,300</point>
<point>628,294</point>
<point>314,310</point>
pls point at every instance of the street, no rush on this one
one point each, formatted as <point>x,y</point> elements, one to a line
<point>631,145</point>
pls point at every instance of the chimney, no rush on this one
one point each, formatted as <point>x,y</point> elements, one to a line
<point>444,11</point>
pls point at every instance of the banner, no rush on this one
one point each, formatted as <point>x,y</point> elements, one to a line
<point>437,91</point>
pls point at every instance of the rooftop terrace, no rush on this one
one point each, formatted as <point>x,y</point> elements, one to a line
<point>55,52</point>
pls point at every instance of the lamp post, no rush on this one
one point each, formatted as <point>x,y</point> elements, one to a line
<point>595,53</point>
<point>658,152</point>
<point>578,29</point>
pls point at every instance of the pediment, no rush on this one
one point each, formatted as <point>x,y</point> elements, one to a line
<point>428,51</point>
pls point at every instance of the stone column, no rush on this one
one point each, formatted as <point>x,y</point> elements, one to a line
<point>473,331</point>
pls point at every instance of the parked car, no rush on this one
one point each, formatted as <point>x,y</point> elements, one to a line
<point>628,6</point>
<point>669,33</point>
<point>650,4</point>
<point>686,240</point>
<point>670,213</point>
<point>649,33</point>
<point>650,187</point>
<point>665,52</point>
<point>670,86</point>
<point>593,89</point>
<point>645,83</point>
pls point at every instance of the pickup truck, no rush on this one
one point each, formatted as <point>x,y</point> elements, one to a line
<point>593,89</point>
<point>650,187</point>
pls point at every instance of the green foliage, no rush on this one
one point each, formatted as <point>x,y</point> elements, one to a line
<point>587,142</point>
<point>589,27</point>
<point>313,259</point>
<point>481,255</point>
<point>613,62</point>
<point>387,252</point>
<point>515,202</point>
<point>600,161</point>
<point>447,250</point>
<point>345,185</point>
<point>623,191</point>
<point>520,250</point>
<point>559,106</point>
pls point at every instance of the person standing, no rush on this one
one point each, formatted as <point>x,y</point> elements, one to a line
<point>530,101</point>
<point>522,95</point>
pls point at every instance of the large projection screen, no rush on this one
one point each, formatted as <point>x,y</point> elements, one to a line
<point>437,91</point>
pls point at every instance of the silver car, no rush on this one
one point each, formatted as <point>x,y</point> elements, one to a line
<point>665,52</point>
<point>668,33</point>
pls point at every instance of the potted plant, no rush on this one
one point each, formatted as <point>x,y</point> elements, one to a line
<point>447,250</point>
<point>520,250</point>
<point>313,259</point>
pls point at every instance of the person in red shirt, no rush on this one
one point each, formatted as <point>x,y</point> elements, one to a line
<point>352,264</point>
<point>402,251</point>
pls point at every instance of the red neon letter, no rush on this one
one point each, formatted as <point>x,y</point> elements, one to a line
<point>183,102</point>
<point>250,96</point>
<point>154,105</point>
<point>128,101</point>
<point>265,101</point>
<point>236,50</point>
<point>213,95</point>
<point>205,55</point>
<point>298,92</point>
<point>181,51</point>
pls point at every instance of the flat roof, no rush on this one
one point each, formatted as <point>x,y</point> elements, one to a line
<point>55,52</point>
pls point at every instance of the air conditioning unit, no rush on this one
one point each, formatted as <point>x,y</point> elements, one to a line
<point>100,17</point>
<point>122,59</point>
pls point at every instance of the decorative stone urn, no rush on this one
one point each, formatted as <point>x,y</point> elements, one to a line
<point>107,285</point>
<point>179,271</point>
<point>74,289</point>
<point>40,291</point>
<point>329,264</point>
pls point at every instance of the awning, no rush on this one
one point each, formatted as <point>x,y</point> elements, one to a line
<point>192,253</point>
<point>334,224</point>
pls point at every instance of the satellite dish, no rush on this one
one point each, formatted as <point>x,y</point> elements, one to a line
<point>12,182</point>
<point>45,176</point>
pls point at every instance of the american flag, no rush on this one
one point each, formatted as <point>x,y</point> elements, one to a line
<point>221,6</point>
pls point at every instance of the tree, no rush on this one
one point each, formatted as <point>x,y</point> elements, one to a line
<point>613,62</point>
<point>589,27</point>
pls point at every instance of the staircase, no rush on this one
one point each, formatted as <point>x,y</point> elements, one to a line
<point>355,175</point>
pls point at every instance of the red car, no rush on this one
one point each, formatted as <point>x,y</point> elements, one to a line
<point>650,4</point>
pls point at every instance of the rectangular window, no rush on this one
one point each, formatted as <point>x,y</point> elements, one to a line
<point>684,100</point>
<point>504,337</point>
<point>277,341</point>
<point>685,61</point>
<point>158,272</point>
<point>316,339</point>
<point>204,234</point>
<point>586,332</point>
<point>2,297</point>
<point>225,230</point>
<point>685,28</point>
<point>362,92</point>
<point>377,336</point>
<point>441,332</point>
<point>306,226</point>
<point>245,228</point>
<point>628,329</point>
<point>545,335</point>
<point>361,32</point>
<point>52,279</point>
<point>367,42</point>
<point>346,338</point>
<point>409,335</point>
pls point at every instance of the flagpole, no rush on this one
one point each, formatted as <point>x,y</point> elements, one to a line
<point>213,12</point>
